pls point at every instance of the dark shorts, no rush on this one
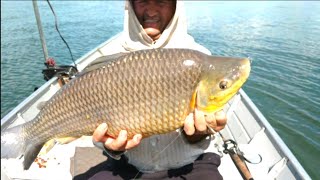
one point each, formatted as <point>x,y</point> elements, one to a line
<point>205,167</point>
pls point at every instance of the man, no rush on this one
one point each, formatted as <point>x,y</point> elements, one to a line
<point>160,24</point>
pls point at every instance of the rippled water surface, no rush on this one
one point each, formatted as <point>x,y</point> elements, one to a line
<point>282,38</point>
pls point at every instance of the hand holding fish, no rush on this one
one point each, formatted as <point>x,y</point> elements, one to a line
<point>121,143</point>
<point>198,122</point>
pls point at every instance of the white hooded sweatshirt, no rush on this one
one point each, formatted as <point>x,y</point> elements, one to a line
<point>135,38</point>
<point>166,151</point>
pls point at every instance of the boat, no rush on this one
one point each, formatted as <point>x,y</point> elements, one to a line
<point>247,129</point>
<point>247,135</point>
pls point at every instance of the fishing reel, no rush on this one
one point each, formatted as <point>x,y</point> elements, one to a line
<point>63,72</point>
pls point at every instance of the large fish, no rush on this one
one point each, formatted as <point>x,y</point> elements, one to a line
<point>147,92</point>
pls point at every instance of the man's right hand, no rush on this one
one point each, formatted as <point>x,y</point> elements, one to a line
<point>121,143</point>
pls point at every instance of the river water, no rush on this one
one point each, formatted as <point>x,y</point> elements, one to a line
<point>282,39</point>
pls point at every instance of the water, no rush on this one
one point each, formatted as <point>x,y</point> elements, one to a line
<point>282,39</point>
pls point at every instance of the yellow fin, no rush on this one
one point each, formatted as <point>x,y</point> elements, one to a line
<point>47,147</point>
<point>66,140</point>
<point>192,104</point>
<point>49,144</point>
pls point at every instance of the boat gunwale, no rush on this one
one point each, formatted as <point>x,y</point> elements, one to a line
<point>274,136</point>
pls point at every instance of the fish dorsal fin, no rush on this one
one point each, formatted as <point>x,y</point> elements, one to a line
<point>41,105</point>
<point>101,61</point>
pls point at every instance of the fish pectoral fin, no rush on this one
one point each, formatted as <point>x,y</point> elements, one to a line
<point>66,140</point>
<point>47,147</point>
<point>193,102</point>
<point>49,144</point>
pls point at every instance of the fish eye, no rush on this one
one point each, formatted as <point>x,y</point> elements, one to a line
<point>223,84</point>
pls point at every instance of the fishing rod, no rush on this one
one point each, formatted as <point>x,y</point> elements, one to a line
<point>63,72</point>
<point>236,155</point>
<point>43,40</point>
<point>56,26</point>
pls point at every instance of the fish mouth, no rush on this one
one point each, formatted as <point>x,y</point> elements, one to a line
<point>246,68</point>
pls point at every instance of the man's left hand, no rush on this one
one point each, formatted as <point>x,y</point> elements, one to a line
<point>197,122</point>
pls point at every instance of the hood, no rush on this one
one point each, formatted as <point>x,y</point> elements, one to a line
<point>136,38</point>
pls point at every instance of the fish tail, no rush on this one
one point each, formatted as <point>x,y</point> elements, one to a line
<point>31,152</point>
<point>14,145</point>
<point>12,142</point>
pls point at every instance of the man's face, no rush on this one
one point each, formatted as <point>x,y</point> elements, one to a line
<point>154,15</point>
